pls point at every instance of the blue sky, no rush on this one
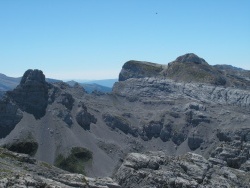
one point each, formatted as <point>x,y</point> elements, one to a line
<point>92,39</point>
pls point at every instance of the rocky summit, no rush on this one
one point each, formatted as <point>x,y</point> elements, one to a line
<point>31,95</point>
<point>183,124</point>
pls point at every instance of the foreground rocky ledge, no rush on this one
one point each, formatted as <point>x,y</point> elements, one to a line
<point>156,169</point>
<point>147,170</point>
<point>21,170</point>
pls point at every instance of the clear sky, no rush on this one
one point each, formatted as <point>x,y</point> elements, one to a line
<point>92,39</point>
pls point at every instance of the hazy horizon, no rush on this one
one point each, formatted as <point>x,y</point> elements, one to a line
<point>66,80</point>
<point>90,40</point>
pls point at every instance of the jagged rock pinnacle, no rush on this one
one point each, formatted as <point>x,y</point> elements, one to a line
<point>33,76</point>
<point>31,95</point>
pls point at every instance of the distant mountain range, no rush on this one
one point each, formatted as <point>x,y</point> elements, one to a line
<point>90,87</point>
<point>104,82</point>
<point>8,83</point>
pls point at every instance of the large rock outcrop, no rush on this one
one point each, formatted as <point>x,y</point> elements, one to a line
<point>31,95</point>
<point>84,118</point>
<point>115,121</point>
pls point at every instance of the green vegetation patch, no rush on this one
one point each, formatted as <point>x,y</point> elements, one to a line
<point>46,165</point>
<point>75,162</point>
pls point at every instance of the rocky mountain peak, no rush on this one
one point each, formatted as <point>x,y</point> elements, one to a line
<point>191,58</point>
<point>30,76</point>
<point>31,95</point>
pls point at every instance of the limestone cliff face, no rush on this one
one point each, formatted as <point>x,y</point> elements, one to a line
<point>164,89</point>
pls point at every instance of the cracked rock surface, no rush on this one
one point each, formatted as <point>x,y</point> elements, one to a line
<point>156,169</point>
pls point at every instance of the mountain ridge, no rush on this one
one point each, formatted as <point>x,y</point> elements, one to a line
<point>188,68</point>
<point>143,113</point>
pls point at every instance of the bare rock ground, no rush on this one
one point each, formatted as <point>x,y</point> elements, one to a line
<point>156,169</point>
